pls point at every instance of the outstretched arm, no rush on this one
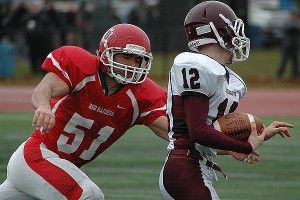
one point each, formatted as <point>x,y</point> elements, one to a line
<point>160,127</point>
<point>255,140</point>
<point>51,86</point>
<point>281,128</point>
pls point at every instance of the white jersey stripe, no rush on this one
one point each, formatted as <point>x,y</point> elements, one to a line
<point>77,88</point>
<point>56,64</point>
<point>83,82</point>
<point>134,105</point>
<point>57,104</point>
<point>147,113</point>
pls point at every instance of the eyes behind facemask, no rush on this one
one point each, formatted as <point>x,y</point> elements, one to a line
<point>123,73</point>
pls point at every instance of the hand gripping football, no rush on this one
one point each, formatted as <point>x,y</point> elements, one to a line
<point>237,125</point>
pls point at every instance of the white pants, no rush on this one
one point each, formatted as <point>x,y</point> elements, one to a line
<point>23,183</point>
<point>8,191</point>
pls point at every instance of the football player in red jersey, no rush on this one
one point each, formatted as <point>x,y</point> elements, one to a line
<point>201,89</point>
<point>82,106</point>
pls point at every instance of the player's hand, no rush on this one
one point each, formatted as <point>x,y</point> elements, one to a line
<point>43,117</point>
<point>254,139</point>
<point>281,128</point>
<point>250,159</point>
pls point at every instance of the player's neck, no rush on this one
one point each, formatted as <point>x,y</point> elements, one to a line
<point>112,85</point>
<point>217,53</point>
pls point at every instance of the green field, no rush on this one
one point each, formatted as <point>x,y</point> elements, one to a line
<point>130,168</point>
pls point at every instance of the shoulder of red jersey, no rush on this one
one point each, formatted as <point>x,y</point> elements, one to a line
<point>75,57</point>
<point>149,89</point>
<point>199,61</point>
<point>151,100</point>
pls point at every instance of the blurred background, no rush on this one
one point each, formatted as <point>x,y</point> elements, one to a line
<point>30,29</point>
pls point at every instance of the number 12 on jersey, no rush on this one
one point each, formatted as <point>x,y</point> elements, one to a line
<point>190,80</point>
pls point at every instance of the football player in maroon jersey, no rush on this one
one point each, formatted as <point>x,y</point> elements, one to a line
<point>201,89</point>
<point>82,106</point>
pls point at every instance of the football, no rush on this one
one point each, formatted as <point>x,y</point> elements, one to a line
<point>237,125</point>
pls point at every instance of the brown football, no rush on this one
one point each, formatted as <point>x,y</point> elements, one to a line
<point>237,125</point>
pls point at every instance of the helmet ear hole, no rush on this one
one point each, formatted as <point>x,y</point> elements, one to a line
<point>222,32</point>
<point>225,36</point>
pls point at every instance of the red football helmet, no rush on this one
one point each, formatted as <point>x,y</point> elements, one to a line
<point>127,39</point>
<point>215,22</point>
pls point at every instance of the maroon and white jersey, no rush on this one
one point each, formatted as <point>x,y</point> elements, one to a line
<point>88,121</point>
<point>197,74</point>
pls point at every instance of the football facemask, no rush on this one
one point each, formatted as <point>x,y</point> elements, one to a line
<point>240,44</point>
<point>125,74</point>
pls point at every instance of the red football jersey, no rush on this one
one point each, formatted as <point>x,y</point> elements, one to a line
<point>88,121</point>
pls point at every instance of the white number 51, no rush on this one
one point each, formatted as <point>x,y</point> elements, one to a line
<point>71,128</point>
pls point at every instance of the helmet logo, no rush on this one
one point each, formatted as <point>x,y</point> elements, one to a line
<point>203,29</point>
<point>135,47</point>
<point>107,35</point>
<point>194,43</point>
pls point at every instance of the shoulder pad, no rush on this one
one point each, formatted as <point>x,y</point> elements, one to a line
<point>200,61</point>
<point>81,58</point>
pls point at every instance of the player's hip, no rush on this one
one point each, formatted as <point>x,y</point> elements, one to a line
<point>25,178</point>
<point>41,173</point>
<point>184,177</point>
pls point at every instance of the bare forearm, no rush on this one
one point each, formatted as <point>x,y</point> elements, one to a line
<point>51,86</point>
<point>41,95</point>
<point>160,127</point>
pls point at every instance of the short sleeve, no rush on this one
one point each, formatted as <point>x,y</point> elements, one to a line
<point>72,64</point>
<point>152,104</point>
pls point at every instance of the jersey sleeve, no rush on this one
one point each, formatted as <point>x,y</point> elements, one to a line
<point>72,64</point>
<point>200,132</point>
<point>238,83</point>
<point>190,75</point>
<point>153,104</point>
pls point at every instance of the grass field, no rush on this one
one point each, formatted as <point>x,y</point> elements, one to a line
<point>129,170</point>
